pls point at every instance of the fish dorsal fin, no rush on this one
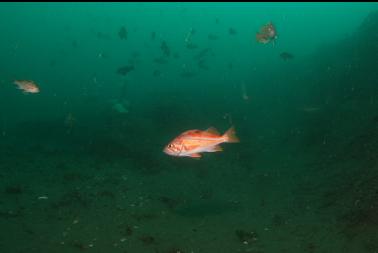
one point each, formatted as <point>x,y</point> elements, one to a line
<point>212,130</point>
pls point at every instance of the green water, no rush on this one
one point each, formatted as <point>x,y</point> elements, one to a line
<point>82,167</point>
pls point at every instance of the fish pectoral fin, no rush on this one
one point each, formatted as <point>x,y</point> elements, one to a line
<point>195,155</point>
<point>215,148</point>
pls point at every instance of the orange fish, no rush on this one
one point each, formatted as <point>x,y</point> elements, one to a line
<point>27,86</point>
<point>193,142</point>
<point>267,33</point>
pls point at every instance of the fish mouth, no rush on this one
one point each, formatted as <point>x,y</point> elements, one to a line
<point>169,152</point>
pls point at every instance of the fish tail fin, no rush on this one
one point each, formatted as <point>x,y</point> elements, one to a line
<point>230,135</point>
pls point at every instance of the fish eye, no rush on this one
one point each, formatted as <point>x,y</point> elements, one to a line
<point>169,145</point>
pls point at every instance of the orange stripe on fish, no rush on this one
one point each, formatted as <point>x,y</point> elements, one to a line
<point>193,142</point>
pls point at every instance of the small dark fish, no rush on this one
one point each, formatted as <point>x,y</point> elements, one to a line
<point>164,47</point>
<point>191,45</point>
<point>202,53</point>
<point>122,33</point>
<point>232,31</point>
<point>153,35</point>
<point>125,70</point>
<point>217,21</point>
<point>160,60</point>
<point>213,37</point>
<point>286,56</point>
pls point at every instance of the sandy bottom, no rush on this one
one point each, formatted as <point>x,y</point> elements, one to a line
<point>65,202</point>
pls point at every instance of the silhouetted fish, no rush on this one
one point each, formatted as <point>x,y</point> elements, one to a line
<point>124,70</point>
<point>153,35</point>
<point>286,56</point>
<point>164,47</point>
<point>122,33</point>
<point>231,31</point>
<point>202,53</point>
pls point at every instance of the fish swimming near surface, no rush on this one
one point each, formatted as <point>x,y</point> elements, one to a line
<point>27,86</point>
<point>193,142</point>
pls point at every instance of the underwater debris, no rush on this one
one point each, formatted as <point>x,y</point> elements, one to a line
<point>125,70</point>
<point>267,34</point>
<point>164,47</point>
<point>122,33</point>
<point>286,56</point>
<point>232,31</point>
<point>246,237</point>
